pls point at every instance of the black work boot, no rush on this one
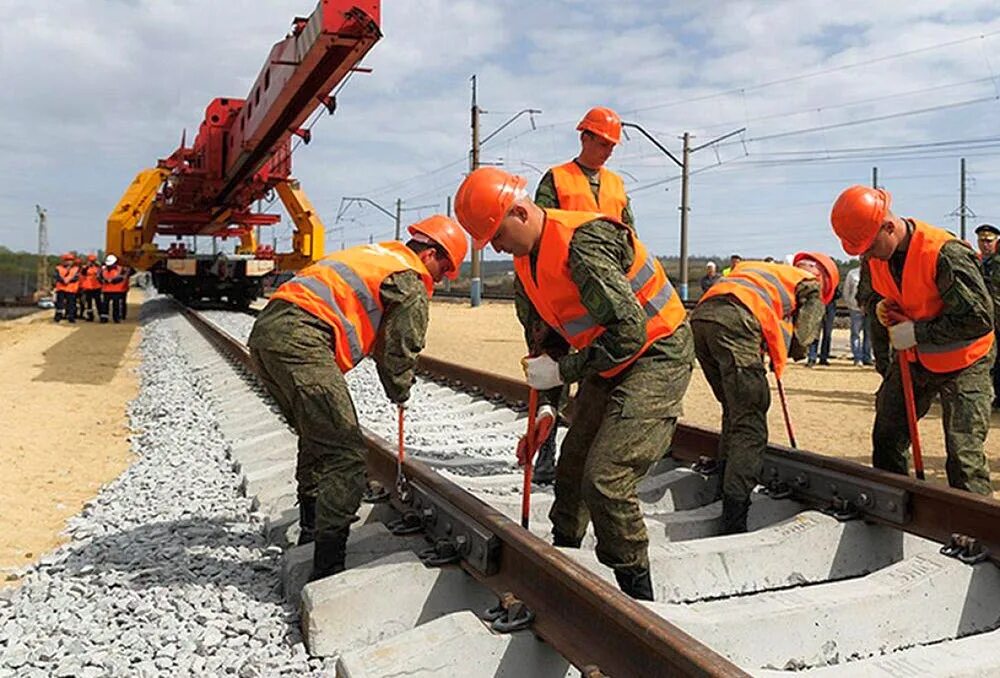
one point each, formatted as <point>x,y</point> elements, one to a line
<point>545,464</point>
<point>734,515</point>
<point>330,554</point>
<point>635,583</point>
<point>307,519</point>
<point>560,539</point>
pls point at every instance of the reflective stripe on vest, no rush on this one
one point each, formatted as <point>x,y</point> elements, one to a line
<point>342,290</point>
<point>556,297</point>
<point>323,292</point>
<point>786,303</point>
<point>575,192</point>
<point>768,292</point>
<point>922,301</point>
<point>652,307</point>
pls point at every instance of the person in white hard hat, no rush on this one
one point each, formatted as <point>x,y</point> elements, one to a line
<point>114,285</point>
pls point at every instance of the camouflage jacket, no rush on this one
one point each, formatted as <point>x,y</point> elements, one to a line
<point>968,306</point>
<point>991,276</point>
<point>402,334</point>
<point>600,254</point>
<point>546,196</point>
<point>807,318</point>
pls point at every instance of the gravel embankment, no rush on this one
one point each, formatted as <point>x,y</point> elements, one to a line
<point>166,572</point>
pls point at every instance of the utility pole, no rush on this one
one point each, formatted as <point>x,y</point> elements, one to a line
<point>685,176</point>
<point>874,177</point>
<point>399,216</point>
<point>42,276</point>
<point>447,281</point>
<point>962,207</point>
<point>963,210</point>
<point>685,166</point>
<point>476,286</point>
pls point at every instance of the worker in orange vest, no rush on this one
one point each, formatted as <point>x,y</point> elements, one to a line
<point>585,184</point>
<point>114,285</point>
<point>937,308</point>
<point>366,300</point>
<point>779,307</point>
<point>67,285</point>
<point>584,280</point>
<point>90,287</point>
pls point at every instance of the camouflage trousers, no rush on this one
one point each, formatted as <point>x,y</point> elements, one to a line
<point>965,413</point>
<point>730,357</point>
<point>294,358</point>
<point>621,426</point>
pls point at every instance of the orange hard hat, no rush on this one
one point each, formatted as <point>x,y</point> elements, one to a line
<point>448,235</point>
<point>603,122</point>
<point>483,199</point>
<point>832,274</point>
<point>858,215</point>
<point>91,257</point>
<point>68,256</point>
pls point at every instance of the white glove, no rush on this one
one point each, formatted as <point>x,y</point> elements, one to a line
<point>903,336</point>
<point>541,373</point>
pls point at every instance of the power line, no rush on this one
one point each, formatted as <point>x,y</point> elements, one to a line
<point>813,74</point>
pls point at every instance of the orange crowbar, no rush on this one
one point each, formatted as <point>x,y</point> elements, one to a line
<point>784,411</point>
<point>905,358</point>
<point>529,463</point>
<point>400,455</point>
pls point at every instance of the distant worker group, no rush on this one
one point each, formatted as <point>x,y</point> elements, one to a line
<point>599,311</point>
<point>81,287</point>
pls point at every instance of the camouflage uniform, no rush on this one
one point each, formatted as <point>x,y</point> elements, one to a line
<point>991,274</point>
<point>965,394</point>
<point>878,334</point>
<point>730,347</point>
<point>293,353</point>
<point>546,196</point>
<point>623,424</point>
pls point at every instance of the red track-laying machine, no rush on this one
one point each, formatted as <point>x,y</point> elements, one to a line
<point>242,155</point>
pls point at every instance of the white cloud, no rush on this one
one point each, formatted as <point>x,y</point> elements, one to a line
<point>95,91</point>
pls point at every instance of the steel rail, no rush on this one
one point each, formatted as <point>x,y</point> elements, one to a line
<point>583,617</point>
<point>933,511</point>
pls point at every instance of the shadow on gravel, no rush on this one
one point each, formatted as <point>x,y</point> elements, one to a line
<point>199,552</point>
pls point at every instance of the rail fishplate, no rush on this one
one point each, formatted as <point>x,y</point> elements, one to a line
<point>831,488</point>
<point>454,535</point>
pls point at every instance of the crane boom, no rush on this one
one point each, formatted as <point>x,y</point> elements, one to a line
<point>242,153</point>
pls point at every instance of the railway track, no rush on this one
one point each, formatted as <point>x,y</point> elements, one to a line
<point>842,574</point>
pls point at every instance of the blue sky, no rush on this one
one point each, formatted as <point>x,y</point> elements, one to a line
<point>95,91</point>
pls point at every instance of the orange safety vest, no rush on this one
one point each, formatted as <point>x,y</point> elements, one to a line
<point>342,290</point>
<point>920,299</point>
<point>575,193</point>
<point>68,278</point>
<point>768,292</point>
<point>91,277</point>
<point>108,276</point>
<point>557,299</point>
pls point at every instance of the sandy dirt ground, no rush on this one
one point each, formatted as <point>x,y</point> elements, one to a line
<point>831,407</point>
<point>64,431</point>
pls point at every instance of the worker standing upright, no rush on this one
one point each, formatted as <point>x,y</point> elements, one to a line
<point>366,300</point>
<point>113,287</point>
<point>584,184</point>
<point>936,306</point>
<point>90,287</point>
<point>758,307</point>
<point>987,236</point>
<point>67,286</point>
<point>584,280</point>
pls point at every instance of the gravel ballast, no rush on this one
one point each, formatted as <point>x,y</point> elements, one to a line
<point>166,571</point>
